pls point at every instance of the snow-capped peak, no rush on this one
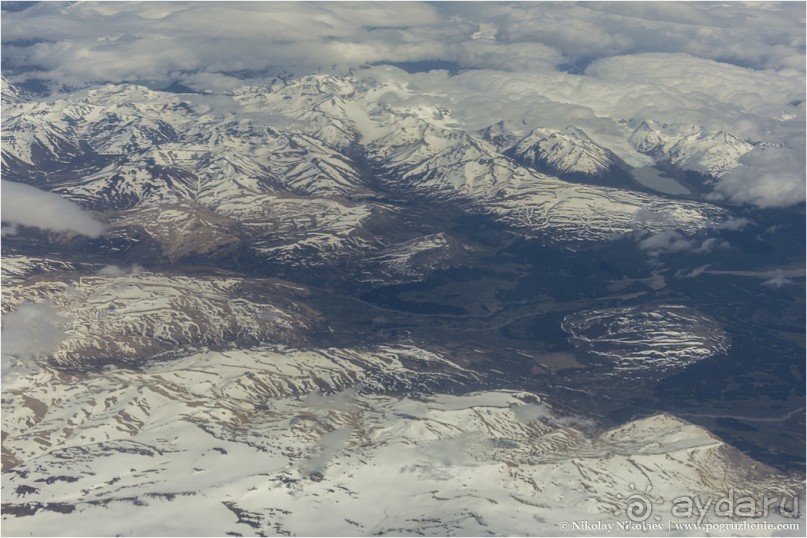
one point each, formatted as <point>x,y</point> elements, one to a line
<point>564,152</point>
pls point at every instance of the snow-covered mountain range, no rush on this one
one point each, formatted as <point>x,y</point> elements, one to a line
<point>237,164</point>
<point>187,380</point>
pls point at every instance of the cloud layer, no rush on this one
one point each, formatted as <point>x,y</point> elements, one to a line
<point>87,40</point>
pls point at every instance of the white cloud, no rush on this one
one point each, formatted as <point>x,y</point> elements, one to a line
<point>697,271</point>
<point>330,444</point>
<point>29,206</point>
<point>344,400</point>
<point>114,270</point>
<point>462,450</point>
<point>768,177</point>
<point>734,224</point>
<point>580,423</point>
<point>530,412</point>
<point>710,244</point>
<point>672,241</point>
<point>11,229</point>
<point>29,331</point>
<point>777,280</point>
<point>696,80</point>
<point>667,241</point>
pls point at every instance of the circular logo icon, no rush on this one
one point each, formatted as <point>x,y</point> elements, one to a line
<point>638,508</point>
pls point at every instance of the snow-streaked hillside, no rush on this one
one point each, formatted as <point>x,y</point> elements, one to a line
<point>453,165</point>
<point>651,339</point>
<point>132,316</point>
<point>414,260</point>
